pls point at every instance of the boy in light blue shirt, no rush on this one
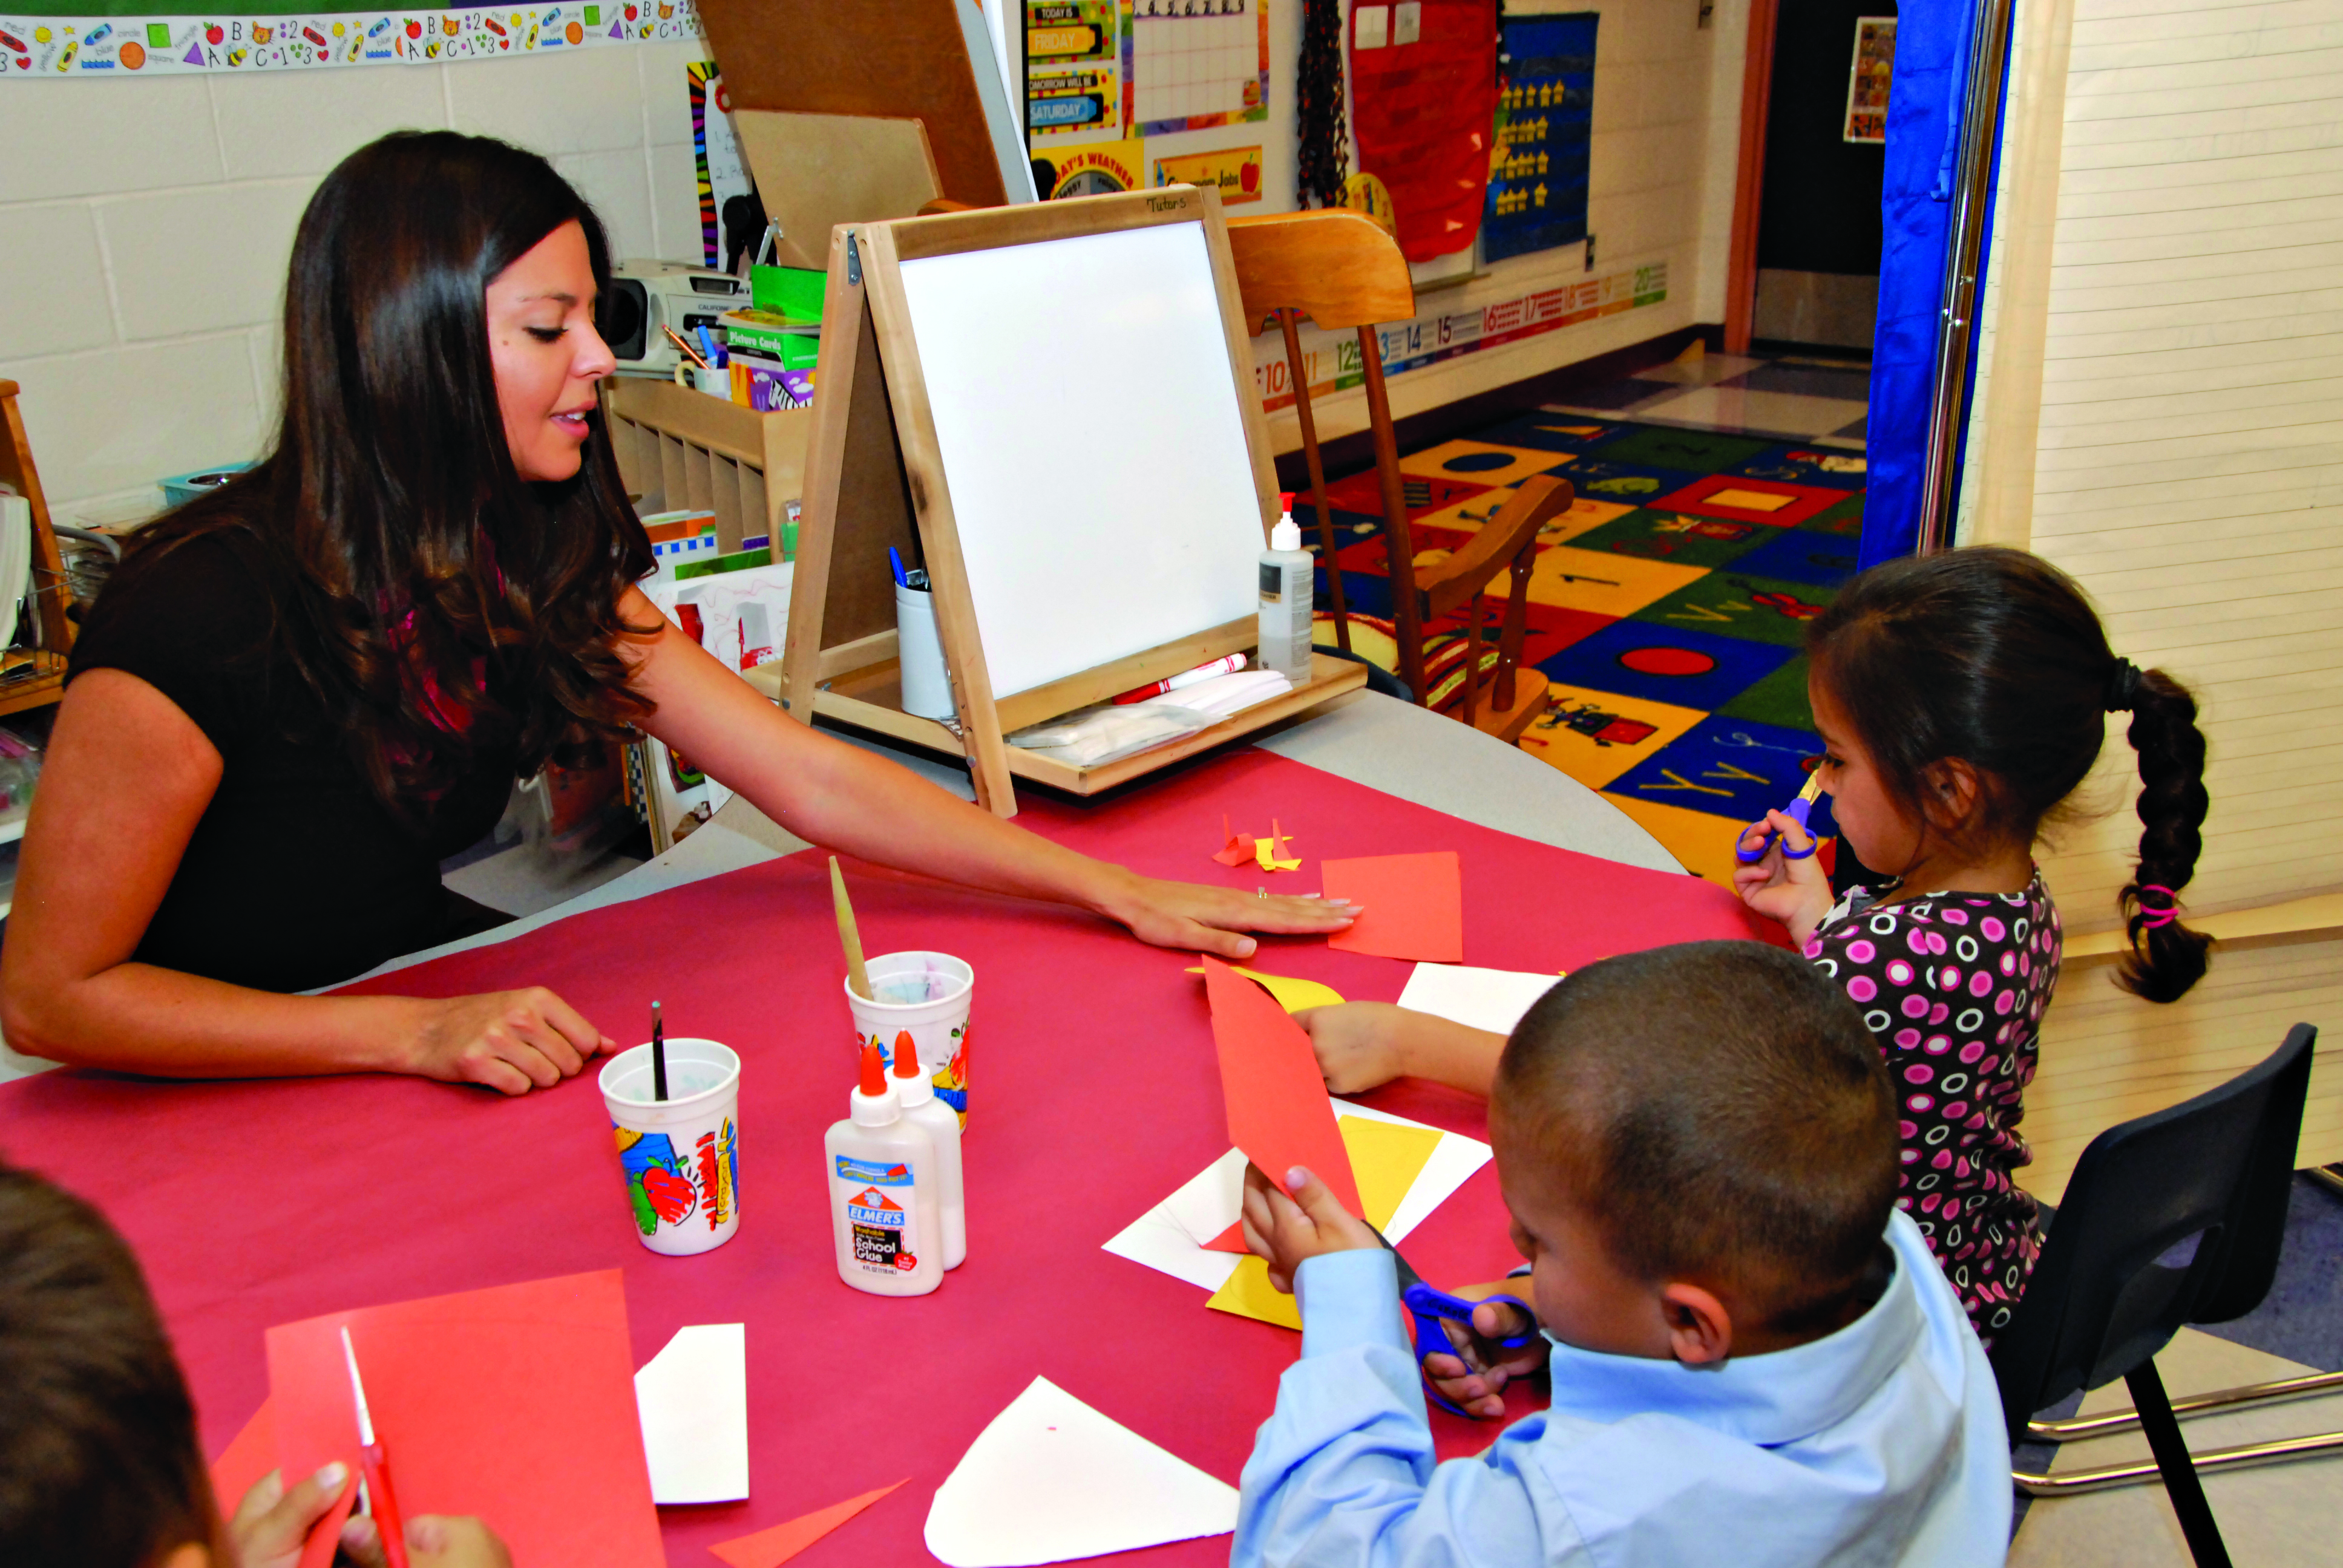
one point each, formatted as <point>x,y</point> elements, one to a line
<point>1754,1359</point>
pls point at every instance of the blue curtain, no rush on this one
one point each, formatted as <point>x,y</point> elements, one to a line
<point>1923,121</point>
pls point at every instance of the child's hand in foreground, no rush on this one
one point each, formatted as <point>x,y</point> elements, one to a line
<point>1476,1375</point>
<point>1285,1232</point>
<point>433,1541</point>
<point>273,1521</point>
<point>1360,1044</point>
<point>1797,892</point>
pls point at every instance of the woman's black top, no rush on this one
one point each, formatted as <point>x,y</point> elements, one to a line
<point>296,876</point>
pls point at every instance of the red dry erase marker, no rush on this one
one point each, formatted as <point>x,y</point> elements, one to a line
<point>1202,672</point>
<point>375,1465</point>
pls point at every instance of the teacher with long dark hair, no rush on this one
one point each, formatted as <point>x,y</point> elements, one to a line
<point>300,693</point>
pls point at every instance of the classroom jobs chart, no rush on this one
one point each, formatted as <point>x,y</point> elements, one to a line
<point>1538,175</point>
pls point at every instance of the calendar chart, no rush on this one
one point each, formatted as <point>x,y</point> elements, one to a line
<point>1192,64</point>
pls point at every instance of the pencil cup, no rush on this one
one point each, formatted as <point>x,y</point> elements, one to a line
<point>926,995</point>
<point>926,689</point>
<point>680,1155</point>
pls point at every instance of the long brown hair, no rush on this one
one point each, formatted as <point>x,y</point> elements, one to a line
<point>1994,656</point>
<point>391,488</point>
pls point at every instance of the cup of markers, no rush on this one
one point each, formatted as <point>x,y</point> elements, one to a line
<point>679,1151</point>
<point>927,996</point>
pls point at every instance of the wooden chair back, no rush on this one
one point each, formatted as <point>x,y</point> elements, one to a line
<point>56,631</point>
<point>1506,543</point>
<point>1340,270</point>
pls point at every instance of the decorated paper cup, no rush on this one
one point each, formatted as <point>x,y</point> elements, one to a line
<point>680,1155</point>
<point>926,996</point>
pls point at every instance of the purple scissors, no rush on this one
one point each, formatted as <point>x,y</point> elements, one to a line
<point>1796,811</point>
<point>1433,1309</point>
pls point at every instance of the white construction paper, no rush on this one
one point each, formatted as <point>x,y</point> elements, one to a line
<point>1492,999</point>
<point>1168,1237</point>
<point>1051,1480</point>
<point>693,1400</point>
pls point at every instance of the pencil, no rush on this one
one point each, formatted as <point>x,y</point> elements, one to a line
<point>848,936</point>
<point>688,351</point>
<point>658,1054</point>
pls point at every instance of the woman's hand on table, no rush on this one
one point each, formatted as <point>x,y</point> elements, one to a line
<point>1475,1376</point>
<point>511,1040</point>
<point>1285,1232</point>
<point>1795,892</point>
<point>1192,918</point>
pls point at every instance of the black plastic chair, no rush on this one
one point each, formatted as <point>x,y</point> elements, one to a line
<point>2114,1285</point>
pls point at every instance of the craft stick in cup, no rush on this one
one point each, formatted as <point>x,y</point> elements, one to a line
<point>681,1156</point>
<point>927,995</point>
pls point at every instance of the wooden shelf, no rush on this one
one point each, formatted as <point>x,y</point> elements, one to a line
<point>871,698</point>
<point>678,448</point>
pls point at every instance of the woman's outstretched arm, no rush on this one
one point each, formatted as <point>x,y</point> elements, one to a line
<point>838,796</point>
<point>127,777</point>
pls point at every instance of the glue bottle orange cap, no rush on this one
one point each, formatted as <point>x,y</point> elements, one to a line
<point>874,1071</point>
<point>907,1055</point>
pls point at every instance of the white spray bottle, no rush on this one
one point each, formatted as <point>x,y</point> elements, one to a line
<point>1288,592</point>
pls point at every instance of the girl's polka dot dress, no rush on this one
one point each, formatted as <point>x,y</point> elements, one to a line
<point>1954,985</point>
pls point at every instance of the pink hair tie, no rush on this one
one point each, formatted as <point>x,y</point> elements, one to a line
<point>2152,918</point>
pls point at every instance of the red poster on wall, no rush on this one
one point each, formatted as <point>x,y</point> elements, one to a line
<point>1424,77</point>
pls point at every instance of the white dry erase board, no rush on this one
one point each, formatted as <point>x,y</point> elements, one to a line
<point>1087,419</point>
<point>1053,408</point>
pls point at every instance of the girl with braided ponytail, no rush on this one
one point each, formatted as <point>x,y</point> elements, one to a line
<point>1962,698</point>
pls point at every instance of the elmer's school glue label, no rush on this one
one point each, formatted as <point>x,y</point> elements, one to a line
<point>884,1191</point>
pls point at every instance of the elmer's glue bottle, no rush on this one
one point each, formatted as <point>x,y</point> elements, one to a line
<point>1288,593</point>
<point>883,1190</point>
<point>922,1109</point>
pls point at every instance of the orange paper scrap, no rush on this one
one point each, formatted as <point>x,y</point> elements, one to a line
<point>1277,1110</point>
<point>1414,905</point>
<point>1239,847</point>
<point>767,1548</point>
<point>1272,853</point>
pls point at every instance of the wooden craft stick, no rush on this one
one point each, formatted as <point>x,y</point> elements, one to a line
<point>848,936</point>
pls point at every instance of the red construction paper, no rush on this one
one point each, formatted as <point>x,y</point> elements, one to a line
<point>1414,905</point>
<point>1279,1113</point>
<point>516,1404</point>
<point>1238,850</point>
<point>1099,1093</point>
<point>767,1548</point>
<point>1232,1239</point>
<point>244,1463</point>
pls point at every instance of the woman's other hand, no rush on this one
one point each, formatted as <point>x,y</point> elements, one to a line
<point>511,1040</point>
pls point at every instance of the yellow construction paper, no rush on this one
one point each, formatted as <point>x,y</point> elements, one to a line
<point>1289,993</point>
<point>1270,854</point>
<point>1385,1161</point>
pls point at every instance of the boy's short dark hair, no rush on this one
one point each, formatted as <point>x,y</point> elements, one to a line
<point>1719,1111</point>
<point>99,1465</point>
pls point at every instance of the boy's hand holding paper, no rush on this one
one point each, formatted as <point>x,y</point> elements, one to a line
<point>1283,1231</point>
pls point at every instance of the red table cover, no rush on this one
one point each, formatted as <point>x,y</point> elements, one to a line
<point>1094,1093</point>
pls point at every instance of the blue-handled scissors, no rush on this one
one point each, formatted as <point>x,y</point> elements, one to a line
<point>1432,1310</point>
<point>1796,811</point>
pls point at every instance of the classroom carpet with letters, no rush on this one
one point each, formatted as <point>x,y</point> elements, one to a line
<point>1668,608</point>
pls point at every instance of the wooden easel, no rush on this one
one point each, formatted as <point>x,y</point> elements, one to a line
<point>875,476</point>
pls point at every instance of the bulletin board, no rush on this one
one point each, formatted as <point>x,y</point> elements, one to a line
<point>70,40</point>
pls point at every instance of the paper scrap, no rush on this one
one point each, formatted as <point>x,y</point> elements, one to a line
<point>247,1461</point>
<point>693,1400</point>
<point>1275,852</point>
<point>768,1548</point>
<point>1163,1243</point>
<point>1388,1158</point>
<point>1207,1205</point>
<point>1278,1110</point>
<point>459,1386</point>
<point>1051,1480</point>
<point>1492,999</point>
<point>1413,906</point>
<point>1237,851</point>
<point>1292,994</point>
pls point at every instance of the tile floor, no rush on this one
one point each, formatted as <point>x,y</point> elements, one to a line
<point>1719,504</point>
